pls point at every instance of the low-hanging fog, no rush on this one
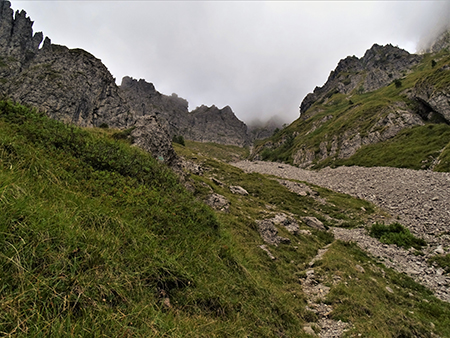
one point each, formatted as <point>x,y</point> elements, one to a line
<point>259,57</point>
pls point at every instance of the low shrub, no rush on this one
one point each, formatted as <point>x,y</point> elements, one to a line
<point>397,234</point>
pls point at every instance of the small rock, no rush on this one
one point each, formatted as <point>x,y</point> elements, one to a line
<point>440,272</point>
<point>235,189</point>
<point>313,222</point>
<point>166,303</point>
<point>360,268</point>
<point>439,250</point>
<point>309,330</point>
<point>389,289</point>
<point>218,202</point>
<point>268,232</point>
<point>305,232</point>
<point>216,181</point>
<point>264,247</point>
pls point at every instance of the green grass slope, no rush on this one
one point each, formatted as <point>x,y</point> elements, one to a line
<point>98,239</point>
<point>95,233</point>
<point>361,297</point>
<point>340,114</point>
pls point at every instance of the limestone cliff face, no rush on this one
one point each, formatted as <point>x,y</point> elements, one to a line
<point>144,98</point>
<point>380,66</point>
<point>204,124</point>
<point>435,98</point>
<point>70,85</point>
<point>211,124</point>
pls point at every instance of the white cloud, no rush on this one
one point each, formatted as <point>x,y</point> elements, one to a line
<point>259,57</point>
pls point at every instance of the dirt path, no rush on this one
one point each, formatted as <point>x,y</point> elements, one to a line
<point>420,200</point>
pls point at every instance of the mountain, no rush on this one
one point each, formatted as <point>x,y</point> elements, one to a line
<point>203,124</point>
<point>376,105</point>
<point>73,86</point>
<point>100,239</point>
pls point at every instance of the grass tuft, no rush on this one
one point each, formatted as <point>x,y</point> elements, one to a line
<point>397,234</point>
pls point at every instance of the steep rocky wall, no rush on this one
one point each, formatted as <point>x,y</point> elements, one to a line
<point>390,121</point>
<point>211,124</point>
<point>144,99</point>
<point>70,85</point>
<point>204,124</point>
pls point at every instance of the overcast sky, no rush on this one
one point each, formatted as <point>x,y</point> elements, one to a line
<point>259,57</point>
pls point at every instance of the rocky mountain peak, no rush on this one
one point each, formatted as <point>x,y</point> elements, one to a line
<point>379,66</point>
<point>141,86</point>
<point>211,124</point>
<point>16,33</point>
<point>73,86</point>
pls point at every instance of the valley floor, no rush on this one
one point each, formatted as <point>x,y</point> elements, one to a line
<point>416,199</point>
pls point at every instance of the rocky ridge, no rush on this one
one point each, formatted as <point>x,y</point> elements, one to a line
<point>379,66</point>
<point>71,85</point>
<point>203,124</point>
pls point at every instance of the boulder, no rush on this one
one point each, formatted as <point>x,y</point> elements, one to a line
<point>151,134</point>
<point>235,189</point>
<point>218,202</point>
<point>313,222</point>
<point>268,232</point>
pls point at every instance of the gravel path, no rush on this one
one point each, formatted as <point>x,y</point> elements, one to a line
<point>420,199</point>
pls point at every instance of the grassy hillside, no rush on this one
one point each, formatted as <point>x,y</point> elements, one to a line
<point>100,240</point>
<point>339,114</point>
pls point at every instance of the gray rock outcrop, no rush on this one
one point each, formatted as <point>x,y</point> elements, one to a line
<point>143,97</point>
<point>235,189</point>
<point>70,85</point>
<point>269,233</point>
<point>434,97</point>
<point>313,222</point>
<point>203,124</point>
<point>151,134</point>
<point>218,202</point>
<point>211,124</point>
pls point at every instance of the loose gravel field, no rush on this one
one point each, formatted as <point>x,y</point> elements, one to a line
<point>418,199</point>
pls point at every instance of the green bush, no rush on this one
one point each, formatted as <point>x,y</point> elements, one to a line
<point>398,83</point>
<point>397,234</point>
<point>178,139</point>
